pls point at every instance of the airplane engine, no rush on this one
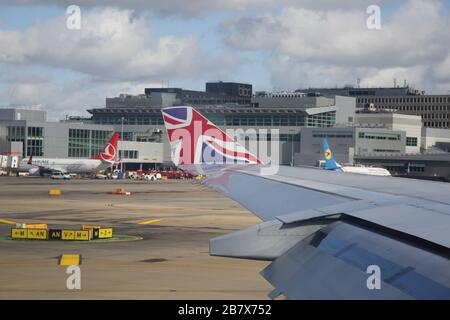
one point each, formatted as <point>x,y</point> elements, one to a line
<point>33,171</point>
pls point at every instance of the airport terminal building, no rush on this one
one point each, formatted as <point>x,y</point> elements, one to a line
<point>433,109</point>
<point>266,112</point>
<point>25,132</point>
<point>357,134</point>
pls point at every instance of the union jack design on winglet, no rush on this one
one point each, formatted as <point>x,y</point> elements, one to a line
<point>195,140</point>
<point>109,151</point>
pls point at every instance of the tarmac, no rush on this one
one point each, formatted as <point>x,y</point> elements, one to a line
<point>168,259</point>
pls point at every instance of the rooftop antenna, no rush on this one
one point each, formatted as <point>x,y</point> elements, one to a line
<point>404,83</point>
<point>359,82</point>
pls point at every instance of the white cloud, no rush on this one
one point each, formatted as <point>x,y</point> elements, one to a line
<point>71,98</point>
<point>115,51</point>
<point>112,44</point>
<point>190,8</point>
<point>186,8</point>
<point>310,43</point>
<point>313,47</point>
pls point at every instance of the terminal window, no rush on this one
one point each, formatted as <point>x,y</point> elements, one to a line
<point>378,136</point>
<point>129,154</point>
<point>16,134</point>
<point>411,141</point>
<point>332,134</point>
<point>35,138</point>
<point>84,143</point>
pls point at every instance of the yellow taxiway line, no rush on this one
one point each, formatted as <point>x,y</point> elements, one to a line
<point>7,221</point>
<point>149,221</point>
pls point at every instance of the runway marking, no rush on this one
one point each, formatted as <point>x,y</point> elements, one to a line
<point>70,260</point>
<point>149,221</point>
<point>5,221</point>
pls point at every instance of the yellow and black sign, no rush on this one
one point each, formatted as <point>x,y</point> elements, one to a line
<point>61,234</point>
<point>68,235</point>
<point>39,234</point>
<point>103,233</point>
<point>82,235</point>
<point>75,235</point>
<point>55,234</point>
<point>20,233</point>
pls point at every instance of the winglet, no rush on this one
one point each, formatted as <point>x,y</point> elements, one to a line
<point>194,140</point>
<point>330,163</point>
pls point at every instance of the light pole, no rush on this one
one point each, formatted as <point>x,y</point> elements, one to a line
<point>292,150</point>
<point>121,145</point>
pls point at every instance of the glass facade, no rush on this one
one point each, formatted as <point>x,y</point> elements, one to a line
<point>411,141</point>
<point>269,137</point>
<point>129,119</point>
<point>129,154</point>
<point>276,119</point>
<point>434,110</point>
<point>326,119</point>
<point>332,134</point>
<point>84,143</point>
<point>35,141</point>
<point>15,134</point>
<point>98,140</point>
<point>31,137</point>
<point>379,136</point>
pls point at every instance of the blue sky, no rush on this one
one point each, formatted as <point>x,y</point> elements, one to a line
<point>272,45</point>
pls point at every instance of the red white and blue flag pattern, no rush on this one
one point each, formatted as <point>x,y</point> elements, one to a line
<point>195,140</point>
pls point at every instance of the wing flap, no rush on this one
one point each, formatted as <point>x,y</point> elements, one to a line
<point>333,264</point>
<point>345,207</point>
<point>321,276</point>
<point>418,222</point>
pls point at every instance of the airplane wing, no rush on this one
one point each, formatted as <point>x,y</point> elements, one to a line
<point>42,167</point>
<point>53,168</point>
<point>332,235</point>
<point>323,230</point>
<point>45,165</point>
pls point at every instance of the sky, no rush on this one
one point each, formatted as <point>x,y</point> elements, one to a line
<point>124,46</point>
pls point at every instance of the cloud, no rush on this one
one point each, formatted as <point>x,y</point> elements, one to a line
<point>115,51</point>
<point>192,8</point>
<point>112,44</point>
<point>308,47</point>
<point>69,98</point>
<point>185,8</point>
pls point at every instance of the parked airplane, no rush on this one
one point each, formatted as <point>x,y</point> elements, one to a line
<point>331,164</point>
<point>74,165</point>
<point>328,235</point>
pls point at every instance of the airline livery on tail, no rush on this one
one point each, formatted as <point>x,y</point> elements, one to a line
<point>331,164</point>
<point>75,165</point>
<point>195,140</point>
<point>326,234</point>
